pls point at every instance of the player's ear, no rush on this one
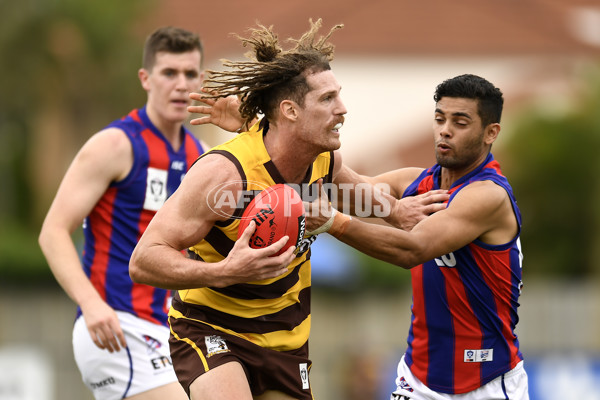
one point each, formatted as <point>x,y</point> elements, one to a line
<point>289,109</point>
<point>143,74</point>
<point>491,133</point>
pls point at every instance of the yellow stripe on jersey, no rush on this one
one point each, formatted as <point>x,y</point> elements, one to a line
<point>248,308</point>
<point>277,340</point>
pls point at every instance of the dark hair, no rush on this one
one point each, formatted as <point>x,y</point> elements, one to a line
<point>469,86</point>
<point>273,74</point>
<point>171,40</point>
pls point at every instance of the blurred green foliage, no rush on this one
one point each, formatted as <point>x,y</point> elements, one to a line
<point>551,160</point>
<point>79,57</point>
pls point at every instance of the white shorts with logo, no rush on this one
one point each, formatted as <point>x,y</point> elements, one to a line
<point>145,364</point>
<point>509,386</point>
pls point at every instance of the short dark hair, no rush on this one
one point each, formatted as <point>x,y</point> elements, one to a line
<point>489,97</point>
<point>171,40</point>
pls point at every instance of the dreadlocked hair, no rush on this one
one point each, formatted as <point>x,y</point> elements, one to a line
<point>272,74</point>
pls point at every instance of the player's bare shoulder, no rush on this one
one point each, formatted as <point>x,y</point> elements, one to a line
<point>212,183</point>
<point>111,151</point>
<point>489,204</point>
<point>489,194</point>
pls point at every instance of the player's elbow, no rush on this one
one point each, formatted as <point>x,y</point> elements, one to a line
<point>409,255</point>
<point>42,239</point>
<point>136,270</point>
<point>45,238</point>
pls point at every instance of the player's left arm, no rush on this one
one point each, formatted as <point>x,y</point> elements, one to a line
<point>381,195</point>
<point>481,210</point>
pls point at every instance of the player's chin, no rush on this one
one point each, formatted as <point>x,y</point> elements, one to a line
<point>177,116</point>
<point>334,142</point>
<point>178,109</point>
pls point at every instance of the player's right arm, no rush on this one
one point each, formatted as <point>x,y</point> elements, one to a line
<point>107,156</point>
<point>184,220</point>
<point>387,190</point>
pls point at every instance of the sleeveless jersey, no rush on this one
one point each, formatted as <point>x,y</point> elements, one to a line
<point>272,313</point>
<point>465,303</point>
<point>121,216</point>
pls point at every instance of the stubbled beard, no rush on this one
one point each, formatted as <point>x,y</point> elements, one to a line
<point>468,155</point>
<point>449,162</point>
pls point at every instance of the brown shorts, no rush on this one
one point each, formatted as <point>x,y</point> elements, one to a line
<point>199,348</point>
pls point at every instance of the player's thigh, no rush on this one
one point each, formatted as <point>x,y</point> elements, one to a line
<point>171,391</point>
<point>141,368</point>
<point>225,382</point>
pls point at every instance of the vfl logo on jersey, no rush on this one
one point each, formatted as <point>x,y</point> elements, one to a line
<point>447,260</point>
<point>214,345</point>
<point>156,189</point>
<point>481,355</point>
<point>304,375</point>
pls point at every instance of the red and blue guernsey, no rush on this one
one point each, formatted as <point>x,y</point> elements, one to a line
<point>122,214</point>
<point>465,303</point>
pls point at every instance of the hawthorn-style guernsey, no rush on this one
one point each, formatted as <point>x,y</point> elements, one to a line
<point>273,313</point>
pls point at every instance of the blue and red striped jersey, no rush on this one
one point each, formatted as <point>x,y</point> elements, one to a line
<point>121,216</point>
<point>464,309</point>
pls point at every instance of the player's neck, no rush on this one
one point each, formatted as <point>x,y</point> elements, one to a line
<point>449,175</point>
<point>170,130</point>
<point>291,162</point>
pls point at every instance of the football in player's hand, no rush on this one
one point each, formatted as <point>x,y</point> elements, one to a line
<point>277,211</point>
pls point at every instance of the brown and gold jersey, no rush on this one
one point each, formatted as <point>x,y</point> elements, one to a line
<point>273,313</point>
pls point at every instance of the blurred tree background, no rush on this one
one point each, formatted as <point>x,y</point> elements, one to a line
<point>552,162</point>
<point>67,68</point>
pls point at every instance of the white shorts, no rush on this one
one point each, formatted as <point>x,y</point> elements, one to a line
<point>509,386</point>
<point>145,364</point>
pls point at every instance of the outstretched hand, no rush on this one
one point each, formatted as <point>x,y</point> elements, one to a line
<point>222,112</point>
<point>245,264</point>
<point>409,211</point>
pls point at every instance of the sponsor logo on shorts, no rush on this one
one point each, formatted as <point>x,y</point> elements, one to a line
<point>152,344</point>
<point>481,355</point>
<point>304,375</point>
<point>215,345</point>
<point>405,386</point>
<point>161,362</point>
<point>98,385</point>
